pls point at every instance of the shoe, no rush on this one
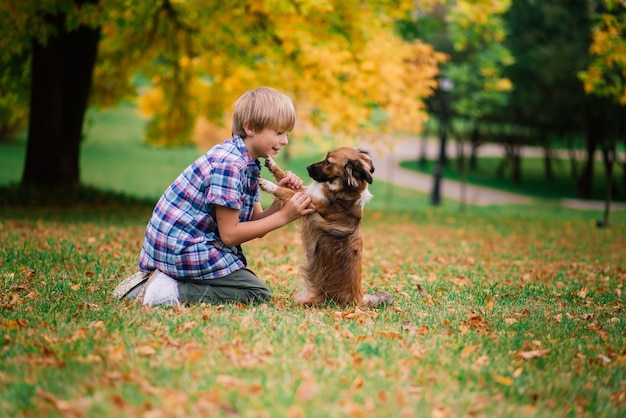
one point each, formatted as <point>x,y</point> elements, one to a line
<point>160,289</point>
<point>130,287</point>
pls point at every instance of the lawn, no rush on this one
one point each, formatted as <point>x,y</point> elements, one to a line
<point>499,311</point>
<point>496,314</point>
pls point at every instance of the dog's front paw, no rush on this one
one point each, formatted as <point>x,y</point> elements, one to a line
<point>267,186</point>
<point>270,163</point>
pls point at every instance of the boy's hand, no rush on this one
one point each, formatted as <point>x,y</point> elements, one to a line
<point>298,206</point>
<point>291,181</point>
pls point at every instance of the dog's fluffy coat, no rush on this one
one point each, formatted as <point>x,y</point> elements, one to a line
<point>332,234</point>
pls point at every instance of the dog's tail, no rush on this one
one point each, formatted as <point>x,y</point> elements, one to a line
<point>377,300</point>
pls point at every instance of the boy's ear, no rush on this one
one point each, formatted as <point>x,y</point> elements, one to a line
<point>248,129</point>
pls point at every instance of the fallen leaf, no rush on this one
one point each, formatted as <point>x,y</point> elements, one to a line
<point>506,381</point>
<point>229,382</point>
<point>145,351</point>
<point>421,291</point>
<point>306,391</point>
<point>490,303</point>
<point>392,335</point>
<point>532,354</point>
<point>357,383</point>
<point>465,353</point>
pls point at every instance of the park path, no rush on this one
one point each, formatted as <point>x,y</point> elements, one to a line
<point>387,164</point>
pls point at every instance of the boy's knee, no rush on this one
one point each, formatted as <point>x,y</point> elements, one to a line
<point>259,295</point>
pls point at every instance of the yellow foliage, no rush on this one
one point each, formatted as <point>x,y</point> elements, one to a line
<point>608,49</point>
<point>340,61</point>
<point>151,101</point>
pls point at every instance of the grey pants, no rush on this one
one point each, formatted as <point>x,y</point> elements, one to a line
<point>240,286</point>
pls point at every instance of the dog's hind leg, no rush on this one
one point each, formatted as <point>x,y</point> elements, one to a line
<point>377,300</point>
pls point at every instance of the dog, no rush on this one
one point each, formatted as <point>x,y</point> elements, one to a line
<point>332,234</point>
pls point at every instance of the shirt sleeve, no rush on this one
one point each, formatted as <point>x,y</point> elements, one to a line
<point>225,187</point>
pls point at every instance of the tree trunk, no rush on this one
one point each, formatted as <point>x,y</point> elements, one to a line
<point>475,143</point>
<point>61,76</point>
<point>547,163</point>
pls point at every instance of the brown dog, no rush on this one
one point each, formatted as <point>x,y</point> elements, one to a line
<point>332,234</point>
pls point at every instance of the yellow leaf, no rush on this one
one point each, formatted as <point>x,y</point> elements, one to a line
<point>490,303</point>
<point>117,353</point>
<point>506,381</point>
<point>582,293</point>
<point>76,286</point>
<point>465,353</point>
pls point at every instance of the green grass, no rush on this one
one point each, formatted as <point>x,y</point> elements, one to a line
<point>513,311</point>
<point>533,181</point>
<point>475,292</point>
<point>113,156</point>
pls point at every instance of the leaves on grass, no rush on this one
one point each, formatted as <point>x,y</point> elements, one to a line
<point>488,317</point>
<point>532,354</point>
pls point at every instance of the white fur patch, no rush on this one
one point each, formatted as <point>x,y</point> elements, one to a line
<point>316,190</point>
<point>366,196</point>
<point>334,185</point>
<point>267,185</point>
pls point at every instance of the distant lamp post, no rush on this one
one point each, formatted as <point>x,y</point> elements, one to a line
<point>445,87</point>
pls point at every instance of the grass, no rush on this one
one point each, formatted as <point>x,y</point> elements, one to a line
<point>500,311</point>
<point>533,181</point>
<point>495,315</point>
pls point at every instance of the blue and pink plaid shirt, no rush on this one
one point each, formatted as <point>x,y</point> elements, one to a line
<point>182,239</point>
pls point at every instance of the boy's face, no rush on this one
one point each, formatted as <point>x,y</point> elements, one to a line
<point>265,143</point>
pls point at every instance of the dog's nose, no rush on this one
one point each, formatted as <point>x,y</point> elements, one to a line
<point>309,169</point>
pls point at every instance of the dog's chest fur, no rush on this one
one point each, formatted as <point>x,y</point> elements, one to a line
<point>320,191</point>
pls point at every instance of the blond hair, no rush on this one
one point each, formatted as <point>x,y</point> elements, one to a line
<point>263,107</point>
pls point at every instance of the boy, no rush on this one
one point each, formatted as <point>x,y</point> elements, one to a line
<point>192,247</point>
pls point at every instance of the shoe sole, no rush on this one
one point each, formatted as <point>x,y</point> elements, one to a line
<point>130,283</point>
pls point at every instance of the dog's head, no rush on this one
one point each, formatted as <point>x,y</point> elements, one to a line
<point>344,168</point>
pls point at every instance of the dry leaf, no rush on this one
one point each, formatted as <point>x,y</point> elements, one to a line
<point>145,351</point>
<point>229,382</point>
<point>465,353</point>
<point>506,381</point>
<point>392,335</point>
<point>490,303</point>
<point>532,354</point>
<point>357,383</point>
<point>306,391</point>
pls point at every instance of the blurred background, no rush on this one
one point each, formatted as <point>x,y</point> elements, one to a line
<point>483,102</point>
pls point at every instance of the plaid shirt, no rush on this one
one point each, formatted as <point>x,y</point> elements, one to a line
<point>182,239</point>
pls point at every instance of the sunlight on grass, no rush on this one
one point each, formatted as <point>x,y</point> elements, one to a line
<point>495,315</point>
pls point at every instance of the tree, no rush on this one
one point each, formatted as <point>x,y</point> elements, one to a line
<point>605,77</point>
<point>340,60</point>
<point>477,31</point>
<point>549,41</point>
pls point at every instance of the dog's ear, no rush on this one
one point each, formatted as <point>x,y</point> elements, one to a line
<point>355,171</point>
<point>365,156</point>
